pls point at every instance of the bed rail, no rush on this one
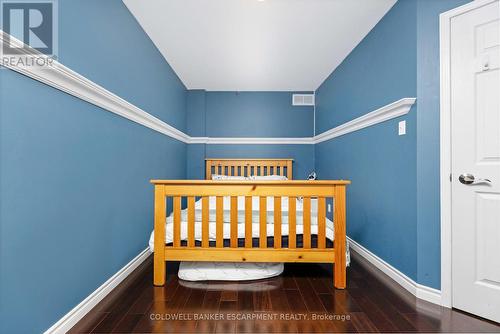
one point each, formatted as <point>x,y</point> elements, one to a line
<point>191,190</point>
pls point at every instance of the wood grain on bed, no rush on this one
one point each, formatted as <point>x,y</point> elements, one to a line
<point>248,167</point>
<point>266,191</point>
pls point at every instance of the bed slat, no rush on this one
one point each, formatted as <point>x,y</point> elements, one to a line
<point>277,222</point>
<point>190,235</point>
<point>219,222</point>
<point>234,222</point>
<point>248,222</point>
<point>177,221</point>
<point>292,217</point>
<point>263,222</point>
<point>321,223</point>
<point>204,221</point>
<point>307,222</point>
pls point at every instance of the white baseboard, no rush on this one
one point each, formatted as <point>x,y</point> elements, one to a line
<point>429,294</point>
<point>72,317</point>
<point>418,290</point>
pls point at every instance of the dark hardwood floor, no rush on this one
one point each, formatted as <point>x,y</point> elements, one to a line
<point>301,300</point>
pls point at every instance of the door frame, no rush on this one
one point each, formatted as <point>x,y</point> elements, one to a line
<point>445,145</point>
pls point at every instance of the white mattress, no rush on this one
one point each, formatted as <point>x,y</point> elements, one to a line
<point>200,271</point>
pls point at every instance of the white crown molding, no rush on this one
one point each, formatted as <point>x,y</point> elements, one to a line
<point>385,113</point>
<point>418,290</point>
<point>69,81</point>
<point>251,141</point>
<point>392,110</point>
<point>79,311</point>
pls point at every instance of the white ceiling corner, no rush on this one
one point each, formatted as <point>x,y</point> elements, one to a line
<point>250,45</point>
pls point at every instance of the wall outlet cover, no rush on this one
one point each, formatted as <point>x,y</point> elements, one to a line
<point>402,128</point>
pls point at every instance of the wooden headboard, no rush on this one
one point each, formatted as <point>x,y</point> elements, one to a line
<point>248,167</point>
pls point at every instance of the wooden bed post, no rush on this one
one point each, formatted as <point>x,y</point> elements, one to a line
<point>289,172</point>
<point>159,246</point>
<point>340,237</point>
<point>208,170</point>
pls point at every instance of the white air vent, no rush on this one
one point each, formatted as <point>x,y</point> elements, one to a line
<point>303,99</point>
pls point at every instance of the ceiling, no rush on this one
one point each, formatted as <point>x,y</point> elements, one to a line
<point>252,45</point>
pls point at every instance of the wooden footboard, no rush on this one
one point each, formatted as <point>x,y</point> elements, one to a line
<point>277,190</point>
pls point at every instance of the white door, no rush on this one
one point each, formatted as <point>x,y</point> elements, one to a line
<point>475,120</point>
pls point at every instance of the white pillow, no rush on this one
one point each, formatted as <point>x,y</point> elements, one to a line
<point>268,178</point>
<point>228,178</point>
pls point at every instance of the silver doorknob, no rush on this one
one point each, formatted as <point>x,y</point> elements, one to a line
<point>470,179</point>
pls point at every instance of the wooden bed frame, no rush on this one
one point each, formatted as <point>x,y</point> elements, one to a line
<point>193,189</point>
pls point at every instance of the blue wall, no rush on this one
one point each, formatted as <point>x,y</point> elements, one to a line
<point>248,114</point>
<point>399,58</point>
<point>382,165</point>
<point>104,42</point>
<point>428,201</point>
<point>256,114</point>
<point>76,203</point>
<point>64,161</point>
<point>380,70</point>
<point>196,113</point>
